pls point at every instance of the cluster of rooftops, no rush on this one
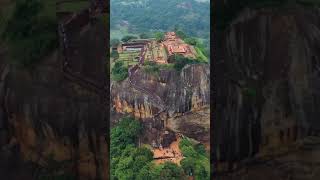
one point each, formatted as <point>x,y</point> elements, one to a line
<point>172,43</point>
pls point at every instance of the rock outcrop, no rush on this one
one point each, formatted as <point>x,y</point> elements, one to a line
<point>267,78</point>
<point>183,93</point>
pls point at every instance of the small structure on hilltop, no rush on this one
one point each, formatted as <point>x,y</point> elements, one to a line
<point>131,46</point>
<point>158,52</point>
<point>170,36</point>
<point>175,45</point>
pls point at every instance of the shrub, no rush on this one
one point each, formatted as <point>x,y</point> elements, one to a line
<point>119,72</point>
<point>180,62</point>
<point>188,165</point>
<point>159,36</point>
<point>192,41</point>
<point>168,170</point>
<point>114,54</point>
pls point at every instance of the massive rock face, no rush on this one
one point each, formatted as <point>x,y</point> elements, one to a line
<point>184,93</point>
<point>268,81</point>
<point>45,116</point>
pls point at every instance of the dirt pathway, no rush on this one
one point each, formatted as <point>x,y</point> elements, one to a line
<point>172,153</point>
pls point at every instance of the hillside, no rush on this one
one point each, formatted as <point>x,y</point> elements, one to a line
<point>192,16</point>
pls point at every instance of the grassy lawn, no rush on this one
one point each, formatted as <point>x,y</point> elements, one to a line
<point>127,58</point>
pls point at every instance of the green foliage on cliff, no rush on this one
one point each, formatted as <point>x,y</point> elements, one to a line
<point>151,68</point>
<point>154,68</point>
<point>202,49</point>
<point>168,171</point>
<point>181,61</point>
<point>114,42</point>
<point>114,54</point>
<point>119,71</point>
<point>125,156</point>
<point>196,162</point>
<point>128,161</point>
<point>159,36</point>
<point>30,32</point>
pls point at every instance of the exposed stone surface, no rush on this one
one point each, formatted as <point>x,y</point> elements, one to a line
<point>268,81</point>
<point>182,92</point>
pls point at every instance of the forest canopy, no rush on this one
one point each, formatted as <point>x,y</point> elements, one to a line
<point>192,16</point>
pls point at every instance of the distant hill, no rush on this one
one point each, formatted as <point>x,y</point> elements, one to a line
<point>191,16</point>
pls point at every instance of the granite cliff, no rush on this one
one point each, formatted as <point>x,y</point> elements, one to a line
<point>186,98</point>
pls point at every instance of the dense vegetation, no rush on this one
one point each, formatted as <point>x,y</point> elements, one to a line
<point>128,38</point>
<point>181,61</point>
<point>191,16</point>
<point>131,162</point>
<point>196,161</point>
<point>30,32</point>
<point>203,49</point>
<point>177,63</point>
<point>119,71</point>
<point>154,68</point>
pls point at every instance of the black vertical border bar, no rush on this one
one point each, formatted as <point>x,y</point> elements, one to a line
<point>107,87</point>
<point>212,91</point>
<point>212,83</point>
<point>216,35</point>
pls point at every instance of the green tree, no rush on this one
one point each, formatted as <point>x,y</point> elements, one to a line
<point>114,42</point>
<point>169,171</point>
<point>146,173</point>
<point>159,36</point>
<point>145,152</point>
<point>119,72</point>
<point>114,54</point>
<point>200,149</point>
<point>188,165</point>
<point>144,36</point>
<point>201,172</point>
<point>180,61</point>
<point>128,38</point>
<point>185,142</point>
<point>126,159</point>
<point>188,151</point>
<point>192,41</point>
<point>123,169</point>
<point>181,34</point>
